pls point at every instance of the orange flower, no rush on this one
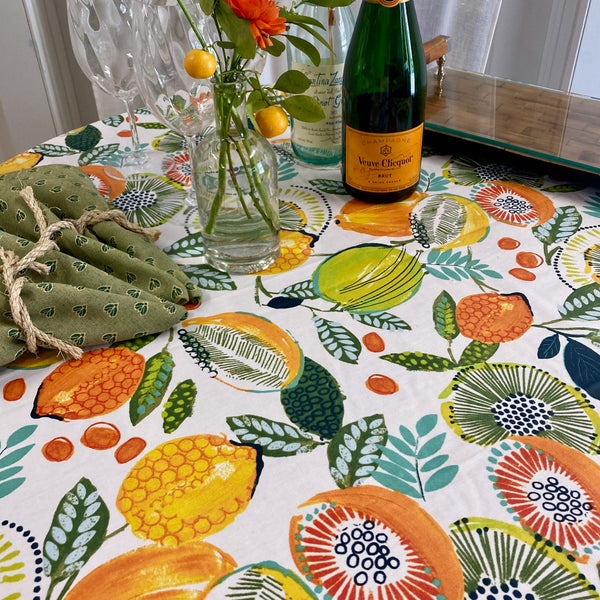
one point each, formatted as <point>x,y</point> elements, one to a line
<point>263,17</point>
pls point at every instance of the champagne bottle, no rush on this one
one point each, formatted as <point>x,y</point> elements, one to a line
<point>321,143</point>
<point>384,93</point>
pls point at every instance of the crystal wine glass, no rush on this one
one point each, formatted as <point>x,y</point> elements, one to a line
<point>102,40</point>
<point>163,36</point>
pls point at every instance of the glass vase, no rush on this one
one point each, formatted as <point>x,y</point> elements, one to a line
<point>235,177</point>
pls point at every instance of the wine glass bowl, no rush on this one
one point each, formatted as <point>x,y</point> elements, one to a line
<point>162,38</point>
<point>102,40</point>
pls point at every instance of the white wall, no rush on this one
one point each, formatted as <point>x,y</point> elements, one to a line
<point>43,93</point>
<point>586,78</point>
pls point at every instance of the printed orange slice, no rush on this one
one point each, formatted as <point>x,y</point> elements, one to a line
<point>371,543</point>
<point>156,572</point>
<point>551,489</point>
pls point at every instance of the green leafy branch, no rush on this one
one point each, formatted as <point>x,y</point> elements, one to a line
<point>414,465</point>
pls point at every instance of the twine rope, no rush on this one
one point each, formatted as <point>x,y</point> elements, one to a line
<point>11,265</point>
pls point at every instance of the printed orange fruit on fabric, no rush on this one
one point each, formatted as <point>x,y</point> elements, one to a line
<point>493,318</point>
<point>514,203</point>
<point>372,543</point>
<point>154,571</point>
<point>101,381</point>
<point>109,181</point>
<point>296,247</point>
<point>391,220</point>
<point>244,351</point>
<point>550,489</point>
<point>188,488</point>
<point>25,160</point>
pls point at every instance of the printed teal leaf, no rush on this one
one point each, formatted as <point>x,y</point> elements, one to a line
<point>426,424</point>
<point>560,227</point>
<point>8,473</point>
<point>20,435</point>
<point>190,246</point>
<point>592,206</point>
<point>355,449</point>
<point>303,290</point>
<point>449,265</point>
<point>78,528</point>
<point>549,347</point>
<point>444,316</point>
<point>396,484</point>
<point>420,361</point>
<point>431,447</point>
<point>12,457</point>
<point>397,470</point>
<point>477,352</point>
<point>329,186</point>
<point>9,486</point>
<point>381,320</point>
<point>341,343</point>
<point>434,463</point>
<point>583,304</point>
<point>209,278</point>
<point>315,403</point>
<point>441,478</point>
<point>401,466</point>
<point>402,446</point>
<point>409,438</point>
<point>276,438</point>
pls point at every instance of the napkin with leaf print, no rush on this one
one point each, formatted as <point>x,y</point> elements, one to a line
<point>104,285</point>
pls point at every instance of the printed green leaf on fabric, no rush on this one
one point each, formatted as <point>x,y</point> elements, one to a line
<point>179,405</point>
<point>444,316</point>
<point>382,320</point>
<point>78,528</point>
<point>583,304</point>
<point>209,278</point>
<point>355,449</point>
<point>276,438</point>
<point>316,403</point>
<point>341,343</point>
<point>420,361</point>
<point>560,227</point>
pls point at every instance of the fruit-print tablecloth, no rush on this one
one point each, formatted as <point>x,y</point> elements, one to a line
<point>404,406</point>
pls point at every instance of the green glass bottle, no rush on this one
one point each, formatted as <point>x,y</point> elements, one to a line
<point>384,93</point>
<point>321,143</point>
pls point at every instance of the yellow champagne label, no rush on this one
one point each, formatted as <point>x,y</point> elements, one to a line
<point>387,3</point>
<point>383,162</point>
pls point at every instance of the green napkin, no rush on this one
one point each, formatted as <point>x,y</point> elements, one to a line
<point>108,285</point>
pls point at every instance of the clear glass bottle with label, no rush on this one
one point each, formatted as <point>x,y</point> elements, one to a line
<point>321,143</point>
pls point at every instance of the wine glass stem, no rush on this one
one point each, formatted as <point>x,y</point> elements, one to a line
<point>135,140</point>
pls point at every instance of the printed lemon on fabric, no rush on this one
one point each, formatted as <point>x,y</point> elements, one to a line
<point>188,488</point>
